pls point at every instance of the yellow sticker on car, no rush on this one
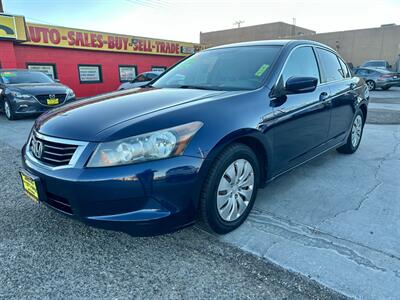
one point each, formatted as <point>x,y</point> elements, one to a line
<point>262,70</point>
<point>53,101</point>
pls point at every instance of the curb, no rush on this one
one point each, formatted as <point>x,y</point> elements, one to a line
<point>383,116</point>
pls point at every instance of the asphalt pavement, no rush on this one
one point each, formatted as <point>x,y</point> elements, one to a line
<point>332,222</point>
<point>45,255</point>
<point>335,219</point>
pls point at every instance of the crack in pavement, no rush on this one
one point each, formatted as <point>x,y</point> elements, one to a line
<point>376,186</point>
<point>305,235</point>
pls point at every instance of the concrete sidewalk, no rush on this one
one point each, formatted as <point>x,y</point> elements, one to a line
<point>336,219</point>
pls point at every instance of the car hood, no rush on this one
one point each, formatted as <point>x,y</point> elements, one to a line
<point>38,88</point>
<point>85,119</point>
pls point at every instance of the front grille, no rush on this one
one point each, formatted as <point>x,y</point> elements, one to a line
<point>43,98</point>
<point>59,203</point>
<point>51,153</point>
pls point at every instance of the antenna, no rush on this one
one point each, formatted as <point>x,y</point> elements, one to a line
<point>238,23</point>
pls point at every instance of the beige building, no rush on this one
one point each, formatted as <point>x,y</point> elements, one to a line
<point>356,46</point>
<point>252,33</point>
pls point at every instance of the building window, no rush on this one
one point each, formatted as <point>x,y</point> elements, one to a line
<point>158,68</point>
<point>90,73</point>
<point>127,73</point>
<point>48,69</point>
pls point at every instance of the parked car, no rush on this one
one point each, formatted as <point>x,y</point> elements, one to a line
<point>377,64</point>
<point>140,80</point>
<point>199,141</point>
<point>378,78</point>
<point>25,93</point>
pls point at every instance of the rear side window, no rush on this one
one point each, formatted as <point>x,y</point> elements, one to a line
<point>330,63</point>
<point>301,62</point>
<point>346,72</point>
<point>362,72</point>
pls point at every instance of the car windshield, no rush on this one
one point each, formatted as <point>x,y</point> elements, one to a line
<point>236,68</point>
<point>17,77</point>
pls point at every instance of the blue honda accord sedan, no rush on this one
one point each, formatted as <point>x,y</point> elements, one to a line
<point>197,142</point>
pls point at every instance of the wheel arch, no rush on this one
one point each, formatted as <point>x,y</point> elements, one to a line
<point>252,138</point>
<point>363,107</point>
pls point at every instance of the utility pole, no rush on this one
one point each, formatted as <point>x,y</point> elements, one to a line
<point>1,6</point>
<point>294,27</point>
<point>235,23</point>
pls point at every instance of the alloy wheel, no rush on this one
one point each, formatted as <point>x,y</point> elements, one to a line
<point>356,131</point>
<point>7,109</point>
<point>370,85</point>
<point>235,190</point>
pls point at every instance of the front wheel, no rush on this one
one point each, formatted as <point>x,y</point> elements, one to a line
<point>371,85</point>
<point>354,139</point>
<point>230,189</point>
<point>8,110</point>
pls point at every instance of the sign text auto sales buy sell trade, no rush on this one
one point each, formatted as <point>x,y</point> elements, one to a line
<point>43,35</point>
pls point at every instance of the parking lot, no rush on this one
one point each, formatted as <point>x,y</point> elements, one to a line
<point>334,220</point>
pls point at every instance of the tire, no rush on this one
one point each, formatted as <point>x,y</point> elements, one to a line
<point>217,208</point>
<point>351,147</point>
<point>385,88</point>
<point>8,110</point>
<point>371,85</point>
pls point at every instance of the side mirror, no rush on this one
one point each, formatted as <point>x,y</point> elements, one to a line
<point>297,85</point>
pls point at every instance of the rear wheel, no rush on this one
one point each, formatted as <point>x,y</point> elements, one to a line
<point>230,189</point>
<point>371,85</point>
<point>8,110</point>
<point>354,139</point>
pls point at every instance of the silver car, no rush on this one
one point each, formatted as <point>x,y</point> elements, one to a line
<point>376,64</point>
<point>378,78</point>
<point>140,80</point>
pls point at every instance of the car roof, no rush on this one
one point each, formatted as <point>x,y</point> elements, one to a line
<point>151,72</point>
<point>17,70</point>
<point>374,69</point>
<point>375,60</point>
<point>272,43</point>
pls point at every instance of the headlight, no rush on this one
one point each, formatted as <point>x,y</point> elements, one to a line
<point>150,146</point>
<point>20,95</point>
<point>70,93</point>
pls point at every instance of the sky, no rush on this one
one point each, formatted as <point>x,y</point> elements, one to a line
<point>183,20</point>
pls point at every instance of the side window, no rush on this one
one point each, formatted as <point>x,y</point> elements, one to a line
<point>362,72</point>
<point>151,76</point>
<point>140,78</point>
<point>345,69</point>
<point>301,62</point>
<point>332,69</point>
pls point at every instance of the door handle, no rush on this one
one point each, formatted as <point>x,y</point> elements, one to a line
<point>323,96</point>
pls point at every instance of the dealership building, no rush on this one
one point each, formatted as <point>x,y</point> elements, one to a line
<point>89,62</point>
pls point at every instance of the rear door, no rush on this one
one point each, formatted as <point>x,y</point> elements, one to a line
<point>301,120</point>
<point>343,95</point>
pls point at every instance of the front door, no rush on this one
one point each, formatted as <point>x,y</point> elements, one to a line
<point>301,120</point>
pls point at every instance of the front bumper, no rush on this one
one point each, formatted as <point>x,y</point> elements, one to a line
<point>26,107</point>
<point>142,199</point>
